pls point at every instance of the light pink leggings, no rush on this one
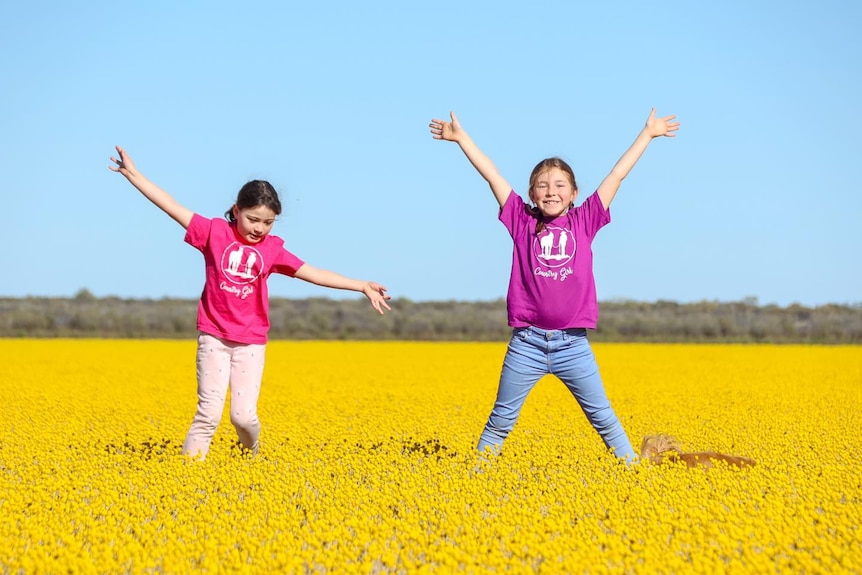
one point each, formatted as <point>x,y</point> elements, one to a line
<point>222,364</point>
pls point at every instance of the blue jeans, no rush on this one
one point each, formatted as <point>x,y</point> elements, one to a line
<point>535,352</point>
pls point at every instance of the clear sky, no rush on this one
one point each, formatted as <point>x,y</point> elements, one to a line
<point>758,196</point>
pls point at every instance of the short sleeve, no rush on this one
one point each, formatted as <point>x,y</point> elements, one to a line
<point>285,262</point>
<point>198,232</point>
<point>512,213</point>
<point>595,215</point>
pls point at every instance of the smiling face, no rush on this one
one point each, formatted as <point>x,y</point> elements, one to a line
<point>253,224</point>
<point>553,190</point>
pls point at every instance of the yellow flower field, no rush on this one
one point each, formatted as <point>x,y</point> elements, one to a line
<point>367,463</point>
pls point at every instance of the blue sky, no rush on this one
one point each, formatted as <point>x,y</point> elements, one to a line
<point>758,196</point>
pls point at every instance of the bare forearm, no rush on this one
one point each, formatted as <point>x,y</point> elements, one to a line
<point>631,156</point>
<point>611,184</point>
<point>375,292</point>
<point>162,199</point>
<point>326,278</point>
<point>151,191</point>
<point>486,168</point>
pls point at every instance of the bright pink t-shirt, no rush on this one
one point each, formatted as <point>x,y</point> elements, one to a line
<point>234,304</point>
<point>552,284</point>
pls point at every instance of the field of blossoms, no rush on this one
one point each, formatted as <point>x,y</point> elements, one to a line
<point>367,463</point>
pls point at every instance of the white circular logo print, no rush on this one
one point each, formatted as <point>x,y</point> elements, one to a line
<point>241,263</point>
<point>554,246</point>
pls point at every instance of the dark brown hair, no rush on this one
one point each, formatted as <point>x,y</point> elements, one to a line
<point>253,194</point>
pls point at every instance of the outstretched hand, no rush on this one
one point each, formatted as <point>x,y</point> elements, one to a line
<point>661,126</point>
<point>125,165</point>
<point>376,294</point>
<point>443,130</point>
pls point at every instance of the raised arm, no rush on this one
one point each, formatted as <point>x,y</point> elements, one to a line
<point>375,292</point>
<point>453,132</point>
<point>653,128</point>
<point>162,199</point>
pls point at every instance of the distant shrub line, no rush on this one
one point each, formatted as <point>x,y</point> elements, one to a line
<point>353,319</point>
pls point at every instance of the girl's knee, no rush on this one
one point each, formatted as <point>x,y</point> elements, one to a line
<point>246,421</point>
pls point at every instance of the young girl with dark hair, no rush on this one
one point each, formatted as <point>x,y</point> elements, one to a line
<point>233,312</point>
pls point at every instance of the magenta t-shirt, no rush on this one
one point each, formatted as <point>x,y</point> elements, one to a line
<point>234,304</point>
<point>552,284</point>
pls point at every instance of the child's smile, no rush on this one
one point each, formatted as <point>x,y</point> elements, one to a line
<point>552,193</point>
